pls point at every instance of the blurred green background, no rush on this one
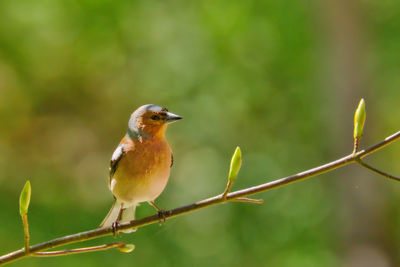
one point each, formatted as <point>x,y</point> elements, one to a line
<point>281,79</point>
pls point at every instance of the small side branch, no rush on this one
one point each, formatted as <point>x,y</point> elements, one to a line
<point>356,144</point>
<point>369,167</point>
<point>227,189</point>
<point>79,250</point>
<point>248,200</point>
<point>26,232</point>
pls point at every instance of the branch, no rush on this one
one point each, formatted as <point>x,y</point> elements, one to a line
<point>369,167</point>
<point>119,245</point>
<point>352,158</point>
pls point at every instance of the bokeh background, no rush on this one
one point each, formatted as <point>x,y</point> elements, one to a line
<point>279,78</point>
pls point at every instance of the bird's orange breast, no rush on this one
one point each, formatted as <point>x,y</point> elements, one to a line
<point>143,171</point>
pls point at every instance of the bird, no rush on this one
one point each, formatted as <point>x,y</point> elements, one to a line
<point>140,165</point>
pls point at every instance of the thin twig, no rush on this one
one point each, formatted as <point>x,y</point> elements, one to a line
<point>248,200</point>
<point>227,189</point>
<point>369,167</point>
<point>15,255</point>
<point>78,250</point>
<point>26,232</point>
<point>356,143</point>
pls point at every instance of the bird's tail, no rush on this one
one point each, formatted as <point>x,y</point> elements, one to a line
<point>118,213</point>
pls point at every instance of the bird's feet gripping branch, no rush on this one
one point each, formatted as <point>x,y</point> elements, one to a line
<point>162,214</point>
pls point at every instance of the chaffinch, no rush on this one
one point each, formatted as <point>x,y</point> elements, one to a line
<point>141,163</point>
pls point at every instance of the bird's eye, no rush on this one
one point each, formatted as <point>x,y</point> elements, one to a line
<point>155,117</point>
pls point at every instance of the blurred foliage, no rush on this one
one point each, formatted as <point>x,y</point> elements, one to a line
<point>248,73</point>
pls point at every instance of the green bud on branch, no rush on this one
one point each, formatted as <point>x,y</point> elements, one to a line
<point>359,119</point>
<point>236,163</point>
<point>126,248</point>
<point>24,199</point>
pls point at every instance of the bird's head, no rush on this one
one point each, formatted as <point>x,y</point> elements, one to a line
<point>151,120</point>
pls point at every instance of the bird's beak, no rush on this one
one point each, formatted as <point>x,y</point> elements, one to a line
<point>171,117</point>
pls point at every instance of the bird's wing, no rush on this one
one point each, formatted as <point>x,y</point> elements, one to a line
<point>116,157</point>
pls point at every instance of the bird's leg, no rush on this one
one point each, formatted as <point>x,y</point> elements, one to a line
<point>161,213</point>
<point>114,226</point>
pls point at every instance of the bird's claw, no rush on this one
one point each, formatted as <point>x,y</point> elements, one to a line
<point>115,226</point>
<point>162,215</point>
